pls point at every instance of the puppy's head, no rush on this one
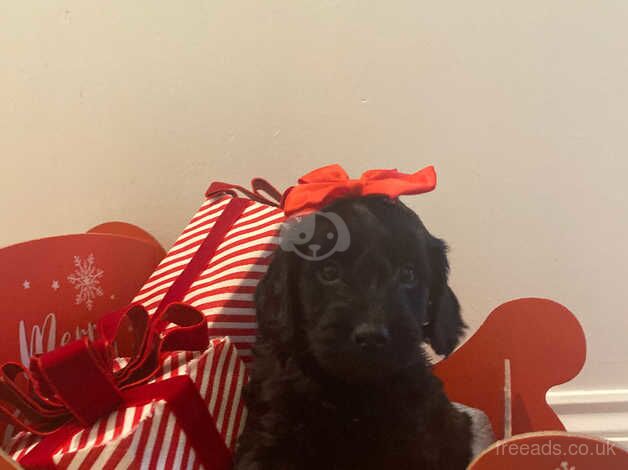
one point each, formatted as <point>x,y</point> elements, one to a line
<point>362,313</point>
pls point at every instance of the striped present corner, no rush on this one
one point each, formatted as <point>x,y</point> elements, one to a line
<point>224,288</point>
<point>148,437</point>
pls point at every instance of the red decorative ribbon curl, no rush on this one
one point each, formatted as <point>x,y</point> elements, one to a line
<point>82,380</point>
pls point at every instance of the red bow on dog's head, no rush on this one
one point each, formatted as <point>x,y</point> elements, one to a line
<point>324,185</point>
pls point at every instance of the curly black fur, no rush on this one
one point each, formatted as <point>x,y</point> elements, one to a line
<point>339,379</point>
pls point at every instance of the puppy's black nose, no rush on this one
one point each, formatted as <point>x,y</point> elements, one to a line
<point>370,337</point>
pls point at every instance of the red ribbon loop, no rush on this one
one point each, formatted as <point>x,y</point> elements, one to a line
<point>258,186</point>
<point>83,380</point>
<point>79,381</point>
<point>320,187</point>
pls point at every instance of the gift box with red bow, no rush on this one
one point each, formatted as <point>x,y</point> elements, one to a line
<point>217,261</point>
<point>174,402</point>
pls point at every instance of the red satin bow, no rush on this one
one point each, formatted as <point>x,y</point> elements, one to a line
<point>81,381</point>
<point>324,185</point>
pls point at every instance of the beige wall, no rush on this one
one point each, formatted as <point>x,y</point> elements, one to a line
<point>127,109</point>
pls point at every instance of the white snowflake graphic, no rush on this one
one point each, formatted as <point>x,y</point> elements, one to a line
<point>86,279</point>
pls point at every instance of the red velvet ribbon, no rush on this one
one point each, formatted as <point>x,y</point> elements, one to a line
<point>324,185</point>
<point>69,388</point>
<point>79,381</point>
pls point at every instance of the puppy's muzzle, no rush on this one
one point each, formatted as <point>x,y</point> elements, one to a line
<point>370,337</point>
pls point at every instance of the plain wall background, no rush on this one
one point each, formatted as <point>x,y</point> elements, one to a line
<point>126,110</point>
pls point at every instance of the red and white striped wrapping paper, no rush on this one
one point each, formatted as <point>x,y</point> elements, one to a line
<point>224,289</point>
<point>148,437</point>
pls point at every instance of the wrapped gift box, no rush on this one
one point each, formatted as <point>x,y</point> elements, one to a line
<point>149,436</point>
<point>216,263</point>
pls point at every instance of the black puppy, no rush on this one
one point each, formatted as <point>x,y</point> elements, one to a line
<point>339,379</point>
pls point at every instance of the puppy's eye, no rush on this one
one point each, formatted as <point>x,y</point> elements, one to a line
<point>329,272</point>
<point>407,275</point>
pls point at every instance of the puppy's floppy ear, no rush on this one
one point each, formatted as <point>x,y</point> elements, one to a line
<point>445,325</point>
<point>275,301</point>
